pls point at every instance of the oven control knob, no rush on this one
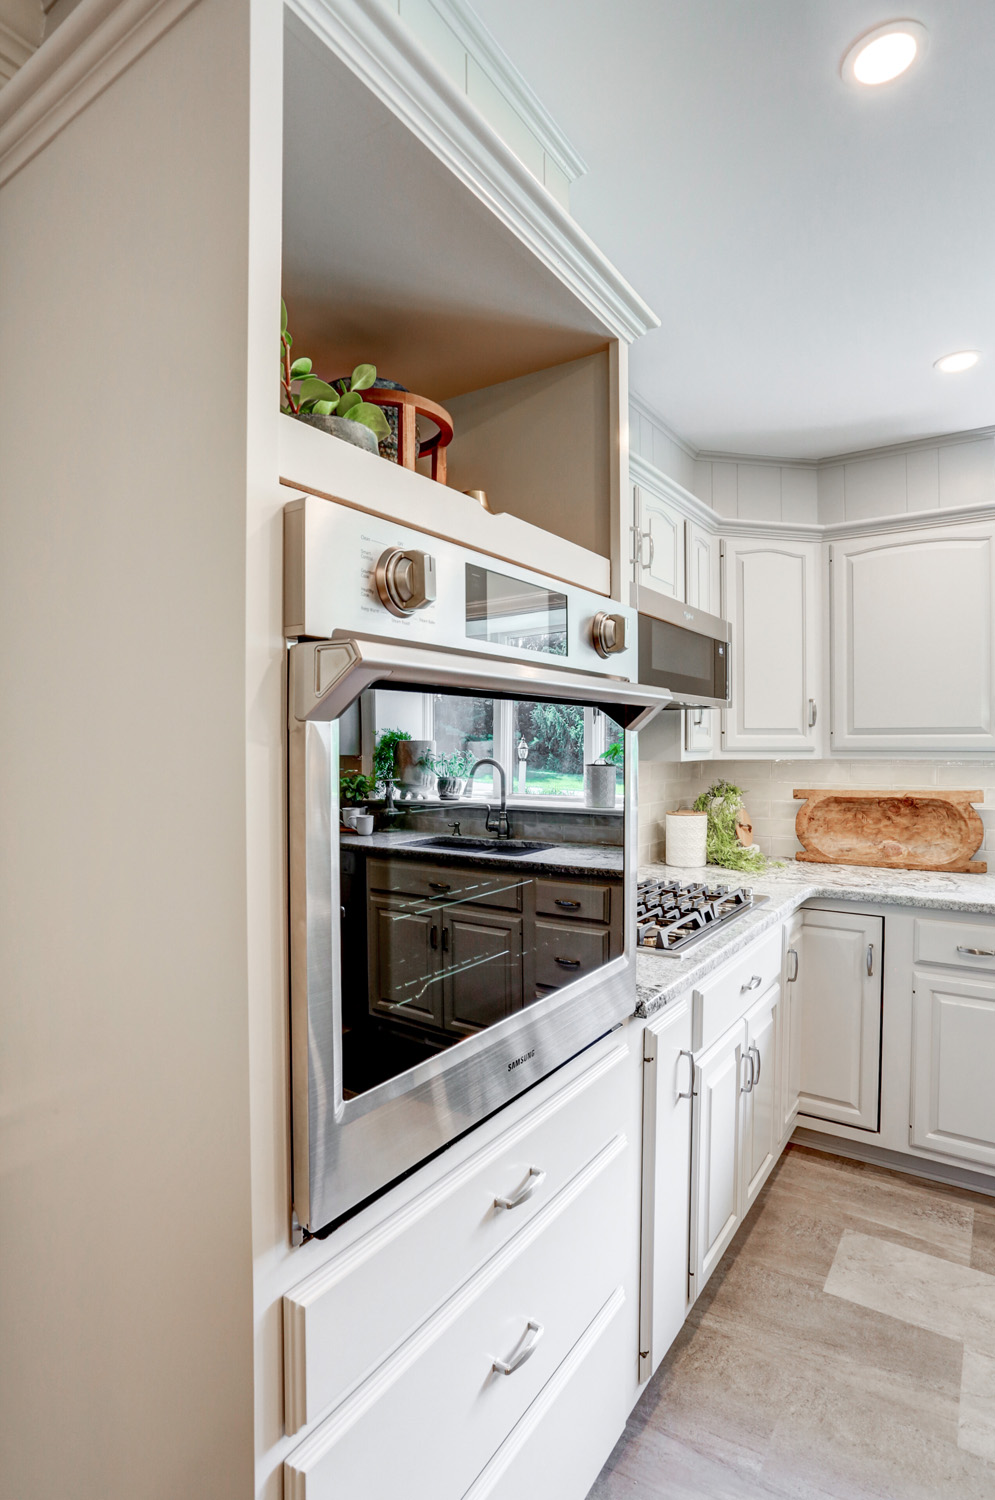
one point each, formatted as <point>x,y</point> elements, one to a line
<point>608,633</point>
<point>405,580</point>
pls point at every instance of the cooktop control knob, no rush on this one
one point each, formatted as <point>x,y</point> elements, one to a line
<point>608,633</point>
<point>405,580</point>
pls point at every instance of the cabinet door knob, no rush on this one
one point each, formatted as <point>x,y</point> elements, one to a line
<point>532,1183</point>
<point>757,979</point>
<point>525,1350</point>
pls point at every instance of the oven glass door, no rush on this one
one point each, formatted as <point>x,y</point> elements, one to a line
<point>691,665</point>
<point>481,868</point>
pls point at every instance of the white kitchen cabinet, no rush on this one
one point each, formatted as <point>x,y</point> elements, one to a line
<point>772,594</point>
<point>703,591</point>
<point>913,616</point>
<point>716,1152</point>
<point>761,1101</point>
<point>659,542</point>
<point>791,1027</point>
<point>840,975</point>
<point>668,1082</point>
<point>952,1103</point>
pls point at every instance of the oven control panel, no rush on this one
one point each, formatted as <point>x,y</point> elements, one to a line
<point>348,571</point>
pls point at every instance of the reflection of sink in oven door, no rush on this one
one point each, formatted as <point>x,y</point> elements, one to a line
<point>458,845</point>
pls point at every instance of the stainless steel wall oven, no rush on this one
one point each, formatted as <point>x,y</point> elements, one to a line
<point>482,933</point>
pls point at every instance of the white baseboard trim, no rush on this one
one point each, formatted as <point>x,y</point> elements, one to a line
<point>896,1161</point>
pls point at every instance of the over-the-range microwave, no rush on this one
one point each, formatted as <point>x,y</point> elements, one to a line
<point>685,650</point>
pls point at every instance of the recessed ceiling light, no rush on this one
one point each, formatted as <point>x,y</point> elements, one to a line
<point>952,364</point>
<point>885,53</point>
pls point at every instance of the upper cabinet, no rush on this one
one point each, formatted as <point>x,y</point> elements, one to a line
<point>912,618</point>
<point>772,594</point>
<point>659,542</point>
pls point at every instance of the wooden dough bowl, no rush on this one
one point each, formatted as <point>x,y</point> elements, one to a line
<point>927,830</point>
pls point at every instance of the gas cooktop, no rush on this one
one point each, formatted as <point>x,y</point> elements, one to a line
<point>671,917</point>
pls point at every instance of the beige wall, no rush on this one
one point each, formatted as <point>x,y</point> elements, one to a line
<point>768,786</point>
<point>125,1257</point>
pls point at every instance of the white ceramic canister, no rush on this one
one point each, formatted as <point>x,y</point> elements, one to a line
<point>687,834</point>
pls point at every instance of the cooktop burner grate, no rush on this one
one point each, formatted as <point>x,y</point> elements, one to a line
<point>671,916</point>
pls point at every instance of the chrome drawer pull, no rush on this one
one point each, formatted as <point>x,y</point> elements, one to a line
<point>749,1082</point>
<point>568,963</point>
<point>689,1092</point>
<point>755,1049</point>
<point>527,1348</point>
<point>569,905</point>
<point>870,958</point>
<point>757,979</point>
<point>793,953</point>
<point>533,1181</point>
<point>977,952</point>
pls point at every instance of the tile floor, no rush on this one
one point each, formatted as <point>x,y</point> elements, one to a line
<point>844,1349</point>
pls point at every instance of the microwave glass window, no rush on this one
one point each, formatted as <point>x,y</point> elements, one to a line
<point>682,660</point>
<point>509,612</point>
<point>447,929</point>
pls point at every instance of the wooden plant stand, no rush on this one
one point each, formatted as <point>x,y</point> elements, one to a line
<point>409,408</point>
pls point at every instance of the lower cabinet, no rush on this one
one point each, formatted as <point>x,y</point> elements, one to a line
<point>953,1036</point>
<point>791,1026</point>
<point>840,963</point>
<point>668,1083</point>
<point>761,1100</point>
<point>721,1075</point>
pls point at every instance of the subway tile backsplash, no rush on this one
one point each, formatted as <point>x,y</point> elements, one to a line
<point>768,784</point>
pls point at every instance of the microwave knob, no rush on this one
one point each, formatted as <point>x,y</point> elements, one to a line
<point>405,580</point>
<point>608,633</point>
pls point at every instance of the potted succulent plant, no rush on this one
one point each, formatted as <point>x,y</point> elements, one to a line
<point>338,409</point>
<point>451,772</point>
<point>600,777</point>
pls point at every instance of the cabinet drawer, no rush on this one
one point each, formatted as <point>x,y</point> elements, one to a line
<point>723,1000</point>
<point>408,877</point>
<point>565,950</point>
<point>344,1319</point>
<point>959,945</point>
<point>563,898</point>
<point>444,1406</point>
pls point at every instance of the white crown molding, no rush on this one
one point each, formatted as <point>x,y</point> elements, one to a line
<point>81,58</point>
<point>914,445</point>
<point>645,410</point>
<point>388,58</point>
<point>641,471</point>
<point>765,460</point>
<point>488,52</point>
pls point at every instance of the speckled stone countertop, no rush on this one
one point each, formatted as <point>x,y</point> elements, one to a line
<point>662,977</point>
<point>560,859</point>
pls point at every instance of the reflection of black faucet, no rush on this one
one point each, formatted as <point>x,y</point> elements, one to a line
<point>502,827</point>
<point>455,828</point>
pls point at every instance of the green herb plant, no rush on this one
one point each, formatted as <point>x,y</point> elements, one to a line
<point>613,756</point>
<point>452,766</point>
<point>355,788</point>
<point>304,393</point>
<point>722,802</point>
<point>383,756</point>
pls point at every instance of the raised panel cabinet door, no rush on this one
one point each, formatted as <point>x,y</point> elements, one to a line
<point>840,975</point>
<point>668,1082</point>
<point>702,565</point>
<point>405,948</point>
<point>790,1065</point>
<point>771,594</point>
<point>660,544</point>
<point>912,646</point>
<point>953,1102</point>
<point>716,1153</point>
<point>482,957</point>
<point>761,1135</point>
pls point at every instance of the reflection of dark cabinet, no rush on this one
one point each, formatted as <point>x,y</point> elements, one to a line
<point>482,967</point>
<point>405,953</point>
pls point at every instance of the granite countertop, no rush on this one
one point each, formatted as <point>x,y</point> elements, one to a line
<point>662,977</point>
<point>559,859</point>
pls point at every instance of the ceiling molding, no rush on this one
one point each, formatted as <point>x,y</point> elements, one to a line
<point>641,471</point>
<point>645,410</point>
<point>483,45</point>
<point>388,58</point>
<point>81,58</point>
